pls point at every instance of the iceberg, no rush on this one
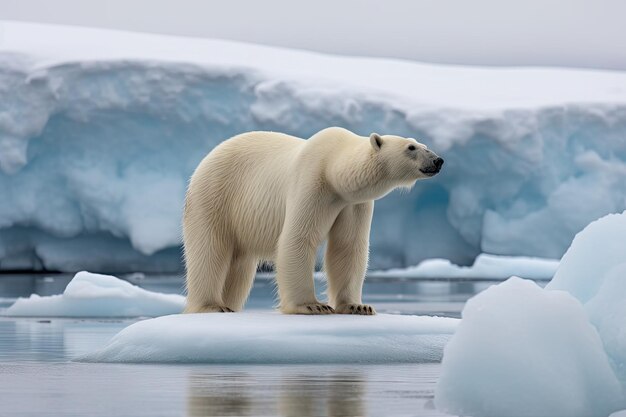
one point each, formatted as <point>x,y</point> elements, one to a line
<point>485,266</point>
<point>100,131</point>
<point>558,351</point>
<point>272,338</point>
<point>524,351</point>
<point>95,295</point>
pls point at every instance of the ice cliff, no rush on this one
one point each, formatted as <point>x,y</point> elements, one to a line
<point>100,130</point>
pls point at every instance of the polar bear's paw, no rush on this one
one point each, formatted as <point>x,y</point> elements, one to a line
<point>311,308</point>
<point>362,309</point>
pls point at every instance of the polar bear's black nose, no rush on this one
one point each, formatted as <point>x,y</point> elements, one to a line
<point>438,162</point>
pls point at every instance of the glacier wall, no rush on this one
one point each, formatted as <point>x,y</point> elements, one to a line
<point>96,146</point>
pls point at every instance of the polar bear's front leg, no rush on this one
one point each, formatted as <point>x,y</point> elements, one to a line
<point>304,225</point>
<point>346,259</point>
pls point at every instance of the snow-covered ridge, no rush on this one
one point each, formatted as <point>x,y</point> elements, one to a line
<point>100,130</point>
<point>441,85</point>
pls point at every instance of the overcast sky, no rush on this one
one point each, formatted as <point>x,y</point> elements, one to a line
<point>576,33</point>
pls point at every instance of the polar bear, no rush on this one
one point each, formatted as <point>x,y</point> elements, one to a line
<point>271,196</point>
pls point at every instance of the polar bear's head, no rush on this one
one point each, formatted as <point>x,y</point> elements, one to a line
<point>405,160</point>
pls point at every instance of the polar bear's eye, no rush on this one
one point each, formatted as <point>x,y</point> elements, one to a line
<point>411,147</point>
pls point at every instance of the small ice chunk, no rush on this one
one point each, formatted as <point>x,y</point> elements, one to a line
<point>96,295</point>
<point>524,351</point>
<point>271,337</point>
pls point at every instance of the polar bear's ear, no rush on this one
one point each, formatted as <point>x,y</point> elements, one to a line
<point>376,141</point>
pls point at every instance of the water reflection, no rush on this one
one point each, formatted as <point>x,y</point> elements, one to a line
<point>299,394</point>
<point>53,339</point>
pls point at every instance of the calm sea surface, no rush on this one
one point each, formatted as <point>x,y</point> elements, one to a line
<point>38,378</point>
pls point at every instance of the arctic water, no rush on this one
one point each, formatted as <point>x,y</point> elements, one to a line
<point>40,378</point>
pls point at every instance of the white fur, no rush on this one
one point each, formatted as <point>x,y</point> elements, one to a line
<point>270,196</point>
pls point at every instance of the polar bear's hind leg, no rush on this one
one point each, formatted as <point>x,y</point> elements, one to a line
<point>207,259</point>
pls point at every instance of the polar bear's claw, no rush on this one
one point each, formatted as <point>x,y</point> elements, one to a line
<point>361,309</point>
<point>212,309</point>
<point>313,308</point>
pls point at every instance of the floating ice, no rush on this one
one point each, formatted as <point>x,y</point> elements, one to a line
<point>97,144</point>
<point>524,351</point>
<point>619,414</point>
<point>95,295</point>
<point>277,338</point>
<point>485,266</point>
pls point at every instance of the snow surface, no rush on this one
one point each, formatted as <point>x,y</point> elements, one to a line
<point>485,267</point>
<point>558,351</point>
<point>272,337</point>
<point>95,295</point>
<point>523,351</point>
<point>100,130</point>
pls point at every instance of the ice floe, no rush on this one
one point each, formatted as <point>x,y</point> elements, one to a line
<point>271,337</point>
